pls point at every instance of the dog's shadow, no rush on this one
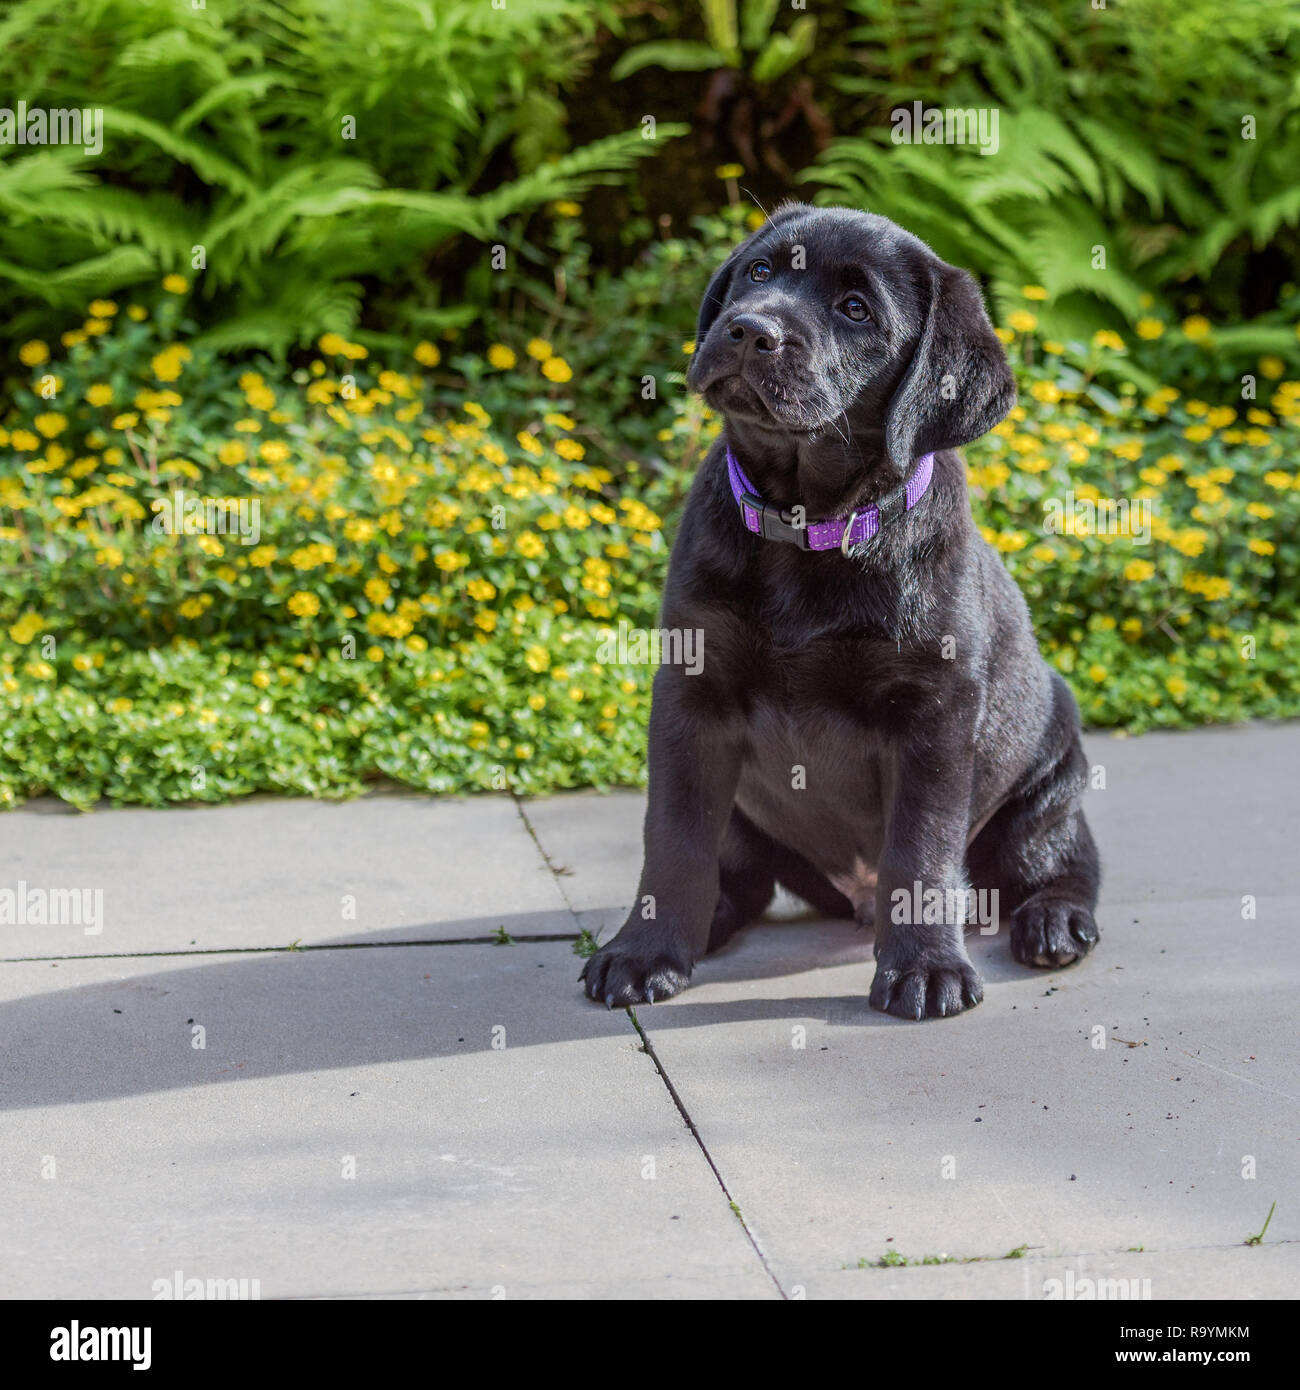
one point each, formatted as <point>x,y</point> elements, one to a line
<point>216,1018</point>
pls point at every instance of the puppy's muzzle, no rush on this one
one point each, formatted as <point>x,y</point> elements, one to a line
<point>755,336</point>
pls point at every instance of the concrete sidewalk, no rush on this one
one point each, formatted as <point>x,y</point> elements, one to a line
<point>296,1053</point>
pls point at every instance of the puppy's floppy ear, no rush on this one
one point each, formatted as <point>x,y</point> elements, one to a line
<point>716,295</point>
<point>958,385</point>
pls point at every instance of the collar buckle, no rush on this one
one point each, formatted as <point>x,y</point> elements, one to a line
<point>772,524</point>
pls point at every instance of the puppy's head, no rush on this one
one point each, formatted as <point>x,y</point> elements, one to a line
<point>831,320</point>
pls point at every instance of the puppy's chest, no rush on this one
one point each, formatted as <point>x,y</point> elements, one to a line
<point>816,764</point>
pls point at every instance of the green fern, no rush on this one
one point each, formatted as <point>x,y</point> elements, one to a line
<point>314,149</point>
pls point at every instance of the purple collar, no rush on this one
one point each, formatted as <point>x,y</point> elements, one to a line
<point>840,532</point>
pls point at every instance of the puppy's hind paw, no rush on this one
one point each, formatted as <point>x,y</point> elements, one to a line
<point>1049,932</point>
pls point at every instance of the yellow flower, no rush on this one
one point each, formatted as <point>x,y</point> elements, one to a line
<point>332,344</point>
<point>99,394</point>
<point>1104,338</point>
<point>377,591</point>
<point>1022,321</point>
<point>304,605</point>
<point>485,619</point>
<point>450,561</point>
<point>175,284</point>
<point>51,423</point>
<point>374,654</point>
<point>730,171</point>
<point>565,208</point>
<point>137,313</point>
<point>501,357</point>
<point>557,369</point>
<point>1260,509</point>
<point>427,354</point>
<point>1149,328</point>
<point>32,354</point>
<point>1097,674</point>
<point>1261,547</point>
<point>537,659</point>
<point>539,349</point>
<point>1197,328</point>
<point>1277,479</point>
<point>1033,292</point>
<point>119,706</point>
<point>166,366</point>
<point>261,679</point>
<point>102,308</point>
<point>1138,570</point>
<point>1177,687</point>
<point>1271,367</point>
<point>26,628</point>
<point>232,452</point>
<point>530,545</point>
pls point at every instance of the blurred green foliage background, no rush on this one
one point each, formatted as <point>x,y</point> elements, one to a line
<point>388,269</point>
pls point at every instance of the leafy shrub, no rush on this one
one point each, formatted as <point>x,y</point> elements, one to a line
<point>1124,129</point>
<point>445,544</point>
<point>311,148</point>
<point>1199,622</point>
<point>418,593</point>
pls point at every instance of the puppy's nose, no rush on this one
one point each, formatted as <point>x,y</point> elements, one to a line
<point>755,333</point>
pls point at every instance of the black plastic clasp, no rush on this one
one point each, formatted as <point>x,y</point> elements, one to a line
<point>892,505</point>
<point>773,526</point>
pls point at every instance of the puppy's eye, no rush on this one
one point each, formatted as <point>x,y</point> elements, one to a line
<point>760,271</point>
<point>855,308</point>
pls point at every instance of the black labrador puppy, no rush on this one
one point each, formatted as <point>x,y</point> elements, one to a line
<point>871,724</point>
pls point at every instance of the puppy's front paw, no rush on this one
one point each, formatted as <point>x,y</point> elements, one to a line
<point>917,988</point>
<point>1051,931</point>
<point>619,975</point>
